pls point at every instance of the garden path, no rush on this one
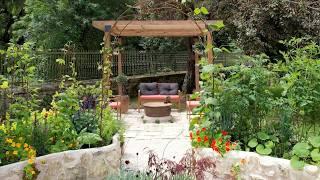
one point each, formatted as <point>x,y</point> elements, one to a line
<point>167,139</point>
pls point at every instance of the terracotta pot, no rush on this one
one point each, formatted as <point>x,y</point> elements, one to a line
<point>125,103</point>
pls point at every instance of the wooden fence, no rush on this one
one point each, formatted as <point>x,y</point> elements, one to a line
<point>87,64</point>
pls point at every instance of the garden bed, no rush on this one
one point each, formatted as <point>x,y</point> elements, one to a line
<point>93,163</point>
<point>249,165</point>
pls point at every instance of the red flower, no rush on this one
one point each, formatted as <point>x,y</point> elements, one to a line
<point>205,138</point>
<point>198,132</point>
<point>191,135</point>
<point>224,133</point>
<point>199,139</point>
<point>228,146</point>
<point>213,144</point>
<point>204,129</point>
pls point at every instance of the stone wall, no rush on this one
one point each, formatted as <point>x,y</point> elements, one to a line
<point>93,163</point>
<point>254,166</point>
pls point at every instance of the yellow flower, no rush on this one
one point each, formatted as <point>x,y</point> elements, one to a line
<point>13,144</point>
<point>25,145</point>
<point>15,152</point>
<point>18,145</point>
<point>26,149</point>
<point>30,161</point>
<point>3,128</point>
<point>8,140</point>
<point>14,127</point>
<point>33,172</point>
<point>7,152</point>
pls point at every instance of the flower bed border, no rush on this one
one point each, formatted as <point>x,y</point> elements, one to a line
<point>92,163</point>
<point>255,166</point>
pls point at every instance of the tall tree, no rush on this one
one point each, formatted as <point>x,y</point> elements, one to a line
<point>10,11</point>
<point>51,24</point>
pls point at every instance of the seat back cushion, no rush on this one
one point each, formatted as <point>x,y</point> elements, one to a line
<point>148,88</point>
<point>168,88</point>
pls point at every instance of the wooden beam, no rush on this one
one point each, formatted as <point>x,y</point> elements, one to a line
<point>154,28</point>
<point>210,51</point>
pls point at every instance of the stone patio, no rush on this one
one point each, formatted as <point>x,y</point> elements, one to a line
<point>167,139</point>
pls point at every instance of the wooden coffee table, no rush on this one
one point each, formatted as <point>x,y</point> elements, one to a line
<point>157,111</point>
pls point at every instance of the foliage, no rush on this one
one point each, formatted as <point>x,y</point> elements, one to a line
<point>263,143</point>
<point>257,26</point>
<point>85,120</point>
<point>88,138</point>
<point>306,152</point>
<point>280,99</point>
<point>64,21</point>
<point>109,125</point>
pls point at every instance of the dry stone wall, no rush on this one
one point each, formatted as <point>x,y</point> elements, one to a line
<point>93,163</point>
<point>256,167</point>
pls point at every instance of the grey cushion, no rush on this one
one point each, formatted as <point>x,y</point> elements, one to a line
<point>168,88</point>
<point>148,89</point>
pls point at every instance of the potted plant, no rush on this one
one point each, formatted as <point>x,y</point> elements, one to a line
<point>122,81</point>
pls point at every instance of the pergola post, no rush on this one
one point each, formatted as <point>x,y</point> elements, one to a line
<point>120,67</point>
<point>209,45</point>
<point>196,69</point>
<point>106,62</point>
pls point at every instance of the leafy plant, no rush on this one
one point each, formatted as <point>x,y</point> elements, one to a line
<point>263,143</point>
<point>87,120</point>
<point>306,152</point>
<point>88,138</point>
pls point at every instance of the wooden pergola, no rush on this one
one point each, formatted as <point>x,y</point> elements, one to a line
<point>167,28</point>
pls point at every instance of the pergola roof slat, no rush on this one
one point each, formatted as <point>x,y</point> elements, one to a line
<point>154,28</point>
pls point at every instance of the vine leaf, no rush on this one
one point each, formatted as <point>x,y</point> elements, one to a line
<point>263,150</point>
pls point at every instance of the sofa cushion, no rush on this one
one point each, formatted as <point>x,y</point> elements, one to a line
<point>168,88</point>
<point>148,89</point>
<point>173,98</point>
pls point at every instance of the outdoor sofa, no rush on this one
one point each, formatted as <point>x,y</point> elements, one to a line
<point>158,92</point>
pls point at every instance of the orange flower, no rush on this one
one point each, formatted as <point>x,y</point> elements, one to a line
<point>191,136</point>
<point>228,146</point>
<point>198,132</point>
<point>199,139</point>
<point>18,145</point>
<point>205,138</point>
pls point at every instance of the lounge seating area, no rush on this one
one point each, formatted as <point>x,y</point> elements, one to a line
<point>159,92</point>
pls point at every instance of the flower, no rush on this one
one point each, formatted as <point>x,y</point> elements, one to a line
<point>198,132</point>
<point>199,139</point>
<point>228,146</point>
<point>33,172</point>
<point>190,134</point>
<point>203,129</point>
<point>13,144</point>
<point>224,133</point>
<point>30,161</point>
<point>25,145</point>
<point>18,145</point>
<point>8,140</point>
<point>15,152</point>
<point>7,152</point>
<point>205,139</point>
<point>3,128</point>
